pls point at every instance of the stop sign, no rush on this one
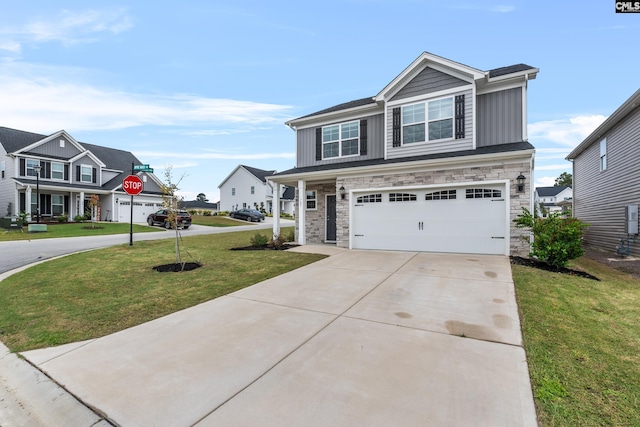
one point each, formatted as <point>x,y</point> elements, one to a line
<point>132,185</point>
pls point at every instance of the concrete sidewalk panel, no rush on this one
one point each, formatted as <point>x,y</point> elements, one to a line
<point>29,399</point>
<point>387,261</point>
<point>358,373</point>
<point>176,369</point>
<point>315,287</point>
<point>483,310</point>
<point>461,266</point>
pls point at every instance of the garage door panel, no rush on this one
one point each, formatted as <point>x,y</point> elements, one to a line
<point>470,219</point>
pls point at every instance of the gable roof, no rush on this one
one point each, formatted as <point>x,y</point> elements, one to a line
<point>289,193</point>
<point>14,140</point>
<point>623,111</point>
<point>198,204</point>
<point>426,59</point>
<point>259,173</point>
<point>551,191</point>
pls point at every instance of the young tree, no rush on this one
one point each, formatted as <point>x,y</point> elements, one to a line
<point>564,179</point>
<point>94,202</point>
<point>171,201</point>
<point>202,197</point>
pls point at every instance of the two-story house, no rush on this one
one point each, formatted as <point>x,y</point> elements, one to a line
<point>606,178</point>
<point>247,187</point>
<point>66,173</point>
<point>552,199</point>
<point>438,161</point>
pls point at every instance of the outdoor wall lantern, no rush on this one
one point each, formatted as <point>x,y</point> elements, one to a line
<point>520,180</point>
<point>343,192</point>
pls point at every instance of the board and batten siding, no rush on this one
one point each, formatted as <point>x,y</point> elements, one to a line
<point>433,147</point>
<point>7,185</point>
<point>428,81</point>
<point>53,149</point>
<point>499,117</point>
<point>306,144</point>
<point>600,197</point>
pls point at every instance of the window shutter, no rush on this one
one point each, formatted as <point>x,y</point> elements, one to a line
<point>397,127</point>
<point>94,178</point>
<point>78,173</point>
<point>23,203</point>
<point>47,170</point>
<point>318,143</point>
<point>363,137</point>
<point>460,117</point>
<point>23,168</point>
<point>66,172</point>
<point>66,204</point>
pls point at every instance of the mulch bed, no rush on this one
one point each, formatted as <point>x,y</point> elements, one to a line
<point>264,248</point>
<point>531,262</point>
<point>177,268</point>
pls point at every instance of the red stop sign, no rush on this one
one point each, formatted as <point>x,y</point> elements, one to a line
<point>132,185</point>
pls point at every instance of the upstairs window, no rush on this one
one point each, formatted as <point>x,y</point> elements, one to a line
<point>57,170</point>
<point>31,167</point>
<point>340,140</point>
<point>233,191</point>
<point>253,190</point>
<point>603,155</point>
<point>86,173</point>
<point>430,121</point>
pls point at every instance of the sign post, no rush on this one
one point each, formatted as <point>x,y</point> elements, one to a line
<point>133,186</point>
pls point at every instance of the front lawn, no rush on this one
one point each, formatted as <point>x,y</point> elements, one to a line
<point>95,293</point>
<point>76,229</point>
<point>215,221</point>
<point>582,339</point>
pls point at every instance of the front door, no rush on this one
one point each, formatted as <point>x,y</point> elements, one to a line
<point>331,218</point>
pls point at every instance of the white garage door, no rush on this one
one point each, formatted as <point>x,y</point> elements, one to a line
<point>469,219</point>
<point>140,210</point>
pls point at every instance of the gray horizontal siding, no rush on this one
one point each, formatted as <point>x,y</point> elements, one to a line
<point>428,81</point>
<point>7,185</point>
<point>423,148</point>
<point>306,144</point>
<point>600,197</point>
<point>499,117</point>
<point>52,148</point>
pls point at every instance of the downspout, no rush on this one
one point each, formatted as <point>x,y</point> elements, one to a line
<point>525,133</point>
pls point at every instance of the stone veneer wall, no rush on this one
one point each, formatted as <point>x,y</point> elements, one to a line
<point>315,230</point>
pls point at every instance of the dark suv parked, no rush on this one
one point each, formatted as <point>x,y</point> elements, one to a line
<point>248,214</point>
<point>162,218</point>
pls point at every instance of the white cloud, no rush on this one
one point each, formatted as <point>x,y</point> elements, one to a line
<point>553,167</point>
<point>68,27</point>
<point>568,132</point>
<point>39,104</point>
<point>545,181</point>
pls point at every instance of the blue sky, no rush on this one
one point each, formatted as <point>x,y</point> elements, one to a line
<point>203,86</point>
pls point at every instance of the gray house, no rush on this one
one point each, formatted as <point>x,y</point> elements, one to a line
<point>66,173</point>
<point>606,177</point>
<point>438,161</point>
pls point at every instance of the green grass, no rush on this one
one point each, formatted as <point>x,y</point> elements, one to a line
<point>582,339</point>
<point>216,221</point>
<point>91,294</point>
<point>75,229</point>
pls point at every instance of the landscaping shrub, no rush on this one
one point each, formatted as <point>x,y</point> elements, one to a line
<point>206,213</point>
<point>289,236</point>
<point>556,240</point>
<point>79,218</point>
<point>259,240</point>
<point>62,218</point>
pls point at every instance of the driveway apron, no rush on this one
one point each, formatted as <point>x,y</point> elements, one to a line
<point>361,338</point>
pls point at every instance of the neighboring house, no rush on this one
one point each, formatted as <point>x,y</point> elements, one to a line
<point>199,205</point>
<point>70,172</point>
<point>552,199</point>
<point>430,163</point>
<point>247,187</point>
<point>606,177</point>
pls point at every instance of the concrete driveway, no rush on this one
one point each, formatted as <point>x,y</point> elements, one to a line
<point>362,338</point>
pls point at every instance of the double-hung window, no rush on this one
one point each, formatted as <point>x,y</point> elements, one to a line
<point>603,155</point>
<point>57,204</point>
<point>57,170</point>
<point>86,173</point>
<point>311,199</point>
<point>340,140</point>
<point>427,121</point>
<point>31,166</point>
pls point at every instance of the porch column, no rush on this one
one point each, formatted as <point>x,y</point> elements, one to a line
<point>81,203</point>
<point>302,202</point>
<point>27,201</point>
<point>275,210</point>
